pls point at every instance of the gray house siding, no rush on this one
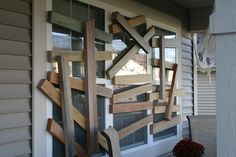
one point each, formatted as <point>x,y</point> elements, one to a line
<point>206,94</point>
<point>15,78</point>
<point>187,82</point>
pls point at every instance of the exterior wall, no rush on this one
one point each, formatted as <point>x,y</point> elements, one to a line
<point>42,41</point>
<point>15,78</point>
<point>206,93</point>
<point>223,26</point>
<point>188,80</point>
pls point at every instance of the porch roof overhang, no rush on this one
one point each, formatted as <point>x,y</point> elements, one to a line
<point>194,14</point>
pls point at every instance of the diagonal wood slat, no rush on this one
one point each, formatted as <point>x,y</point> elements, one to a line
<point>125,56</point>
<point>132,32</point>
<point>54,95</point>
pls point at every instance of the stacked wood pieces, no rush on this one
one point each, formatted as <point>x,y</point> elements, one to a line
<point>62,97</point>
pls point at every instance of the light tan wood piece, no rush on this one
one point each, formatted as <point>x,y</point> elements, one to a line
<point>79,85</point>
<point>57,131</point>
<point>78,55</point>
<point>172,95</point>
<point>162,109</point>
<point>135,126</point>
<point>132,79</point>
<point>153,96</point>
<point>157,63</point>
<point>163,125</point>
<point>125,56</point>
<point>102,141</point>
<point>162,69</point>
<point>54,95</point>
<point>66,106</point>
<point>131,92</point>
<point>130,107</point>
<point>132,32</point>
<point>115,28</point>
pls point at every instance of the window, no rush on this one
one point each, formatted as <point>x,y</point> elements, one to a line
<point>64,39</point>
<point>170,56</point>
<point>137,65</point>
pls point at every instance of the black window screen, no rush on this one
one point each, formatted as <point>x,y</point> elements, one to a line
<point>64,39</point>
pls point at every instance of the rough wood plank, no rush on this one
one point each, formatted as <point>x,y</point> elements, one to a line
<point>163,125</point>
<point>162,69</point>
<point>112,138</point>
<point>74,25</point>
<point>66,105</point>
<point>156,95</point>
<point>157,62</point>
<point>135,126</point>
<point>130,107</point>
<point>102,141</point>
<point>136,21</point>
<point>54,95</point>
<point>125,56</point>
<point>132,79</point>
<point>90,87</point>
<point>162,109</point>
<point>132,32</point>
<point>172,95</point>
<point>57,131</point>
<point>78,55</point>
<point>131,92</point>
<point>153,96</point>
<point>79,85</point>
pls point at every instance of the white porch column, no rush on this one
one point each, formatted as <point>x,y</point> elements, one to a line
<point>223,25</point>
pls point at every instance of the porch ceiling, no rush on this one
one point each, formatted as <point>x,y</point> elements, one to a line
<point>194,3</point>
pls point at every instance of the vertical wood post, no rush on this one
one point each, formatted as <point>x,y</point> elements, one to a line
<point>66,102</point>
<point>90,87</point>
<point>162,68</point>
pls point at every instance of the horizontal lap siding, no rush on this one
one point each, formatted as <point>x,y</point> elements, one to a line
<point>15,78</point>
<point>187,82</point>
<point>206,94</point>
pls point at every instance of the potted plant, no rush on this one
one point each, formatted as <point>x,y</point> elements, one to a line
<point>188,148</point>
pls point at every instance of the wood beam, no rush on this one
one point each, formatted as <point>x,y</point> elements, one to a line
<point>132,79</point>
<point>66,106</point>
<point>131,107</point>
<point>136,21</point>
<point>162,69</point>
<point>125,56</point>
<point>132,32</point>
<point>79,85</point>
<point>54,95</point>
<point>163,125</point>
<point>78,55</point>
<point>172,95</point>
<point>135,126</point>
<point>131,92</point>
<point>90,87</point>
<point>57,131</point>
<point>156,95</point>
<point>162,109</point>
<point>157,63</point>
<point>102,141</point>
<point>74,25</point>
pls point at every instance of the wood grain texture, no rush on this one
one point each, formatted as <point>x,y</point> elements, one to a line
<point>130,107</point>
<point>136,21</point>
<point>163,125</point>
<point>90,88</point>
<point>153,96</point>
<point>102,141</point>
<point>57,131</point>
<point>132,79</point>
<point>162,69</point>
<point>172,94</point>
<point>125,56</point>
<point>78,55</point>
<point>74,25</point>
<point>131,92</point>
<point>66,105</point>
<point>135,126</point>
<point>132,32</point>
<point>162,109</point>
<point>79,85</point>
<point>54,95</point>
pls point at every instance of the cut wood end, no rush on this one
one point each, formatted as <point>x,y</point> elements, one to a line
<point>49,124</point>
